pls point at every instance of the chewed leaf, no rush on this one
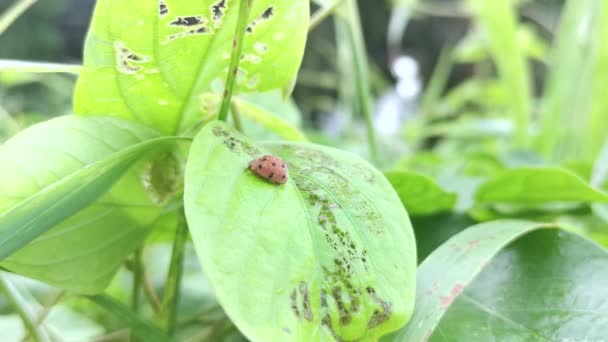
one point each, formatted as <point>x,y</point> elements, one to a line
<point>329,255</point>
<point>151,61</point>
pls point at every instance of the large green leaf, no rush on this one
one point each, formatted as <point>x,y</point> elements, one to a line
<point>534,185</point>
<point>493,283</point>
<point>420,194</point>
<point>151,61</point>
<point>330,253</point>
<point>57,168</point>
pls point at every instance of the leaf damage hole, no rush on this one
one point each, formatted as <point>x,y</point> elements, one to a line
<point>188,21</point>
<point>126,59</point>
<point>236,145</point>
<point>217,11</point>
<point>294,303</point>
<point>192,25</point>
<point>265,16</point>
<point>379,316</point>
<point>163,10</point>
<point>260,48</point>
<point>306,309</point>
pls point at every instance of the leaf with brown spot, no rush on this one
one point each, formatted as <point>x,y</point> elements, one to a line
<point>328,255</point>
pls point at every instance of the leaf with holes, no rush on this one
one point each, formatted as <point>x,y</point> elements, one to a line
<point>51,173</point>
<point>329,255</point>
<point>151,61</point>
<point>492,282</point>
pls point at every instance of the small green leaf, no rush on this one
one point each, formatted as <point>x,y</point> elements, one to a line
<point>151,61</point>
<point>51,174</point>
<point>329,254</point>
<point>140,327</point>
<point>493,283</point>
<point>536,185</point>
<point>420,194</point>
<point>270,121</point>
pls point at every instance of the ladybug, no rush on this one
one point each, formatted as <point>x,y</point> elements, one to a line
<point>271,168</point>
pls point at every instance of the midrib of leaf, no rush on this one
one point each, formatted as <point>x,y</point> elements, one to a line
<point>354,224</point>
<point>99,204</point>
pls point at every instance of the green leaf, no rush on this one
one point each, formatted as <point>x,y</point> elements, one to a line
<point>566,120</point>
<point>58,168</point>
<point>330,253</point>
<point>499,22</point>
<point>535,185</point>
<point>140,327</point>
<point>493,282</point>
<point>271,112</point>
<point>420,194</point>
<point>151,61</point>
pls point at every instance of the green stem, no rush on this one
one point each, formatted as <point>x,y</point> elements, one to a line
<point>14,12</point>
<point>149,292</point>
<point>361,75</point>
<point>45,312</point>
<point>137,278</point>
<point>21,307</point>
<point>137,281</point>
<point>168,311</point>
<point>235,58</point>
<point>322,14</point>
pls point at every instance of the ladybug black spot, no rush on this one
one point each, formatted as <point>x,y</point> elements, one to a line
<point>271,175</point>
<point>259,167</point>
<point>283,165</point>
<point>274,164</point>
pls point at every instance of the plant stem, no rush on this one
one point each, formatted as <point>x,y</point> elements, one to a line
<point>137,278</point>
<point>168,311</point>
<point>137,282</point>
<point>45,312</point>
<point>361,74</point>
<point>13,13</point>
<point>149,292</point>
<point>322,14</point>
<point>235,58</point>
<point>22,308</point>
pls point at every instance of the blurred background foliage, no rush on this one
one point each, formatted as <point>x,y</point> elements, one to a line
<point>458,93</point>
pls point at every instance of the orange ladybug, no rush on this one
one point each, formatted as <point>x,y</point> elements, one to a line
<point>271,168</point>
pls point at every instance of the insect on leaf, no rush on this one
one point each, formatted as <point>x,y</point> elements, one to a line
<point>329,255</point>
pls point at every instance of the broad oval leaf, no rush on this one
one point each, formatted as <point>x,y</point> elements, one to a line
<point>493,282</point>
<point>329,255</point>
<point>53,170</point>
<point>151,61</point>
<point>535,185</point>
<point>420,194</point>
